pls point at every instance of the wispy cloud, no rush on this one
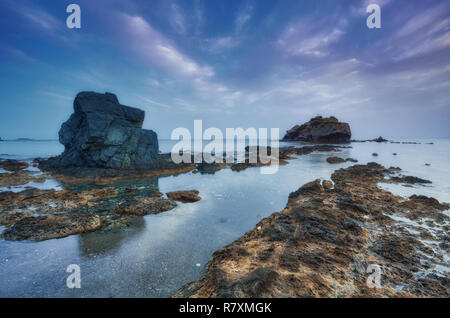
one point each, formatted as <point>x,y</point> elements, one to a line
<point>243,16</point>
<point>61,96</point>
<point>220,44</point>
<point>303,39</point>
<point>152,102</point>
<point>425,32</point>
<point>39,17</point>
<point>360,9</point>
<point>157,49</point>
<point>177,19</point>
<point>10,52</point>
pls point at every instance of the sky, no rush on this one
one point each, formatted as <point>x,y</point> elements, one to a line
<point>260,63</point>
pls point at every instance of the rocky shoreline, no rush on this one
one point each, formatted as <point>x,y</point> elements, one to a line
<point>325,240</point>
<point>102,199</point>
<point>320,245</point>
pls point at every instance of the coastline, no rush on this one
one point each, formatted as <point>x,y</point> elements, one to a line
<point>132,210</point>
<point>321,244</point>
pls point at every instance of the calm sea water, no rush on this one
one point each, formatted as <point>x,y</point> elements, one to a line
<point>160,253</point>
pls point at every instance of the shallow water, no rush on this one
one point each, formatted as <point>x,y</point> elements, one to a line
<point>159,253</point>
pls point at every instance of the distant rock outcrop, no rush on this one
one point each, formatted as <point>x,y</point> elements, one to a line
<point>320,129</point>
<point>102,133</point>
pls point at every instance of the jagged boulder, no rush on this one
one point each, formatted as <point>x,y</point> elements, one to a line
<point>102,133</point>
<point>320,129</point>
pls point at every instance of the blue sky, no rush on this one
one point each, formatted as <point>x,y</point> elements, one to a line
<point>260,63</point>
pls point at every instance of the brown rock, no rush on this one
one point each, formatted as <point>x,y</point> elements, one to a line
<point>39,228</point>
<point>334,160</point>
<point>145,206</point>
<point>184,196</point>
<point>327,184</point>
<point>322,243</point>
<point>320,129</point>
<point>13,165</point>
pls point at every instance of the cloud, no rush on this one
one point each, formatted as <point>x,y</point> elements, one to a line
<point>302,39</point>
<point>39,17</point>
<point>152,102</point>
<point>423,33</point>
<point>10,52</point>
<point>361,8</point>
<point>177,20</point>
<point>155,48</point>
<point>243,17</point>
<point>221,44</point>
<point>65,98</point>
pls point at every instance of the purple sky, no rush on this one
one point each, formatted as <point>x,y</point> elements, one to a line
<point>230,63</point>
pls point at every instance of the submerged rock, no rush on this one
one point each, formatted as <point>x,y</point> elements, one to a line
<point>145,206</point>
<point>320,129</point>
<point>184,196</point>
<point>335,160</point>
<point>13,165</point>
<point>105,134</point>
<point>410,180</point>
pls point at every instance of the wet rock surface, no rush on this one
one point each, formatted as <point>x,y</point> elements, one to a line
<point>39,228</point>
<point>13,165</point>
<point>184,196</point>
<point>145,206</point>
<point>323,242</point>
<point>335,160</point>
<point>36,214</point>
<point>320,129</point>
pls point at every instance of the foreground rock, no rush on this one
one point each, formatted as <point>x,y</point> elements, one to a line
<point>13,165</point>
<point>103,133</point>
<point>320,129</point>
<point>39,228</point>
<point>184,196</point>
<point>323,242</point>
<point>145,206</point>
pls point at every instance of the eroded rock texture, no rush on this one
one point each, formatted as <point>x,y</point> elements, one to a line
<point>105,134</point>
<point>320,129</point>
<point>327,238</point>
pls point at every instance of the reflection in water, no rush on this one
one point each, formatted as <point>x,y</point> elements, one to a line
<point>159,253</point>
<point>100,242</point>
<point>140,187</point>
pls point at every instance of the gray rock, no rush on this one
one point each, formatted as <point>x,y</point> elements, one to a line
<point>105,134</point>
<point>320,129</point>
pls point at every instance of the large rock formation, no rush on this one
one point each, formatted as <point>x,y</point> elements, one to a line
<point>320,129</point>
<point>102,133</point>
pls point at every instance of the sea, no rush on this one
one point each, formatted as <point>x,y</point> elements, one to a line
<point>160,253</point>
